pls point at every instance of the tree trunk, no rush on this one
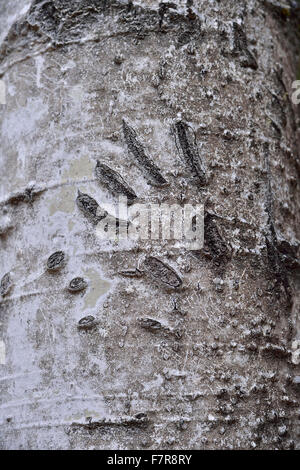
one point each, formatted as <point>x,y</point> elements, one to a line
<point>203,90</point>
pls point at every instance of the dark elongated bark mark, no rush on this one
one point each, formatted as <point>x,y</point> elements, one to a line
<point>154,326</point>
<point>138,151</point>
<point>241,48</point>
<point>131,273</point>
<point>214,244</point>
<point>56,261</point>
<point>150,324</point>
<point>90,207</point>
<point>87,323</point>
<point>139,420</point>
<point>113,181</point>
<point>289,255</point>
<point>162,272</point>
<point>77,284</point>
<point>5,284</point>
<point>186,142</point>
<point>274,258</point>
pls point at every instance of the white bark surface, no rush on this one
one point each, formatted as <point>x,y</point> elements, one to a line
<point>228,379</point>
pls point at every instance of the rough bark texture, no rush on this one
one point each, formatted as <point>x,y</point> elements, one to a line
<point>214,363</point>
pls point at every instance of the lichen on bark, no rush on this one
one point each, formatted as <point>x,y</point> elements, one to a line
<point>118,366</point>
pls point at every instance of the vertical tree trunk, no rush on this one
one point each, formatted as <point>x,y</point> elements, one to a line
<point>204,91</point>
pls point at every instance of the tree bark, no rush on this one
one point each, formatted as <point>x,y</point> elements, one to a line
<point>192,81</point>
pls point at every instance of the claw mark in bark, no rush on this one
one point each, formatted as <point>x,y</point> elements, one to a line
<point>275,262</point>
<point>137,150</point>
<point>288,255</point>
<point>87,323</point>
<point>278,108</point>
<point>139,420</point>
<point>90,207</point>
<point>56,261</point>
<point>154,325</point>
<point>274,259</point>
<point>286,98</point>
<point>77,284</point>
<point>113,181</point>
<point>162,272</point>
<point>150,324</point>
<point>276,128</point>
<point>87,204</point>
<point>5,284</point>
<point>241,48</point>
<point>279,81</point>
<point>214,244</point>
<point>131,273</point>
<point>186,141</point>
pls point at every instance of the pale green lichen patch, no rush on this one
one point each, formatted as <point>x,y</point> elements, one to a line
<point>98,287</point>
<point>63,201</point>
<point>80,168</point>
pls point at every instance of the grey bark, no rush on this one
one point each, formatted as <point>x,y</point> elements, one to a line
<point>97,354</point>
